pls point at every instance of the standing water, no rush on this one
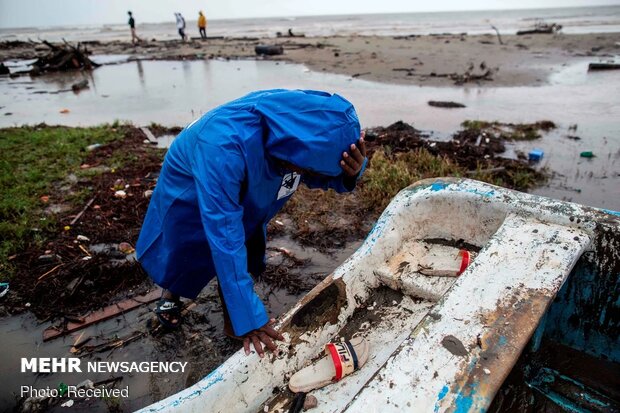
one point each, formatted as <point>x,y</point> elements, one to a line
<point>176,92</point>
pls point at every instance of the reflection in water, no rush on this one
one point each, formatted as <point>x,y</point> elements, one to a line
<point>140,73</point>
<point>175,93</point>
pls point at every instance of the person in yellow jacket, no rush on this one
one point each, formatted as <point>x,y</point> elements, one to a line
<point>202,25</point>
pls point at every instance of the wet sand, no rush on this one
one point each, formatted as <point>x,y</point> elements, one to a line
<point>415,60</point>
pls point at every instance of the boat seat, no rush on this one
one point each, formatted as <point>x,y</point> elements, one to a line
<point>459,355</point>
<point>401,271</point>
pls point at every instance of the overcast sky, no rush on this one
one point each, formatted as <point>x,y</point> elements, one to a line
<point>41,13</point>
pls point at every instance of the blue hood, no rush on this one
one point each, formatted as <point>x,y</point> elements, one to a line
<point>309,129</point>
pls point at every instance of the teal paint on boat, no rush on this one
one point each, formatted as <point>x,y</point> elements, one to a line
<point>440,397</point>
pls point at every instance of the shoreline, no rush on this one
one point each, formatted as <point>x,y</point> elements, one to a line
<point>432,60</point>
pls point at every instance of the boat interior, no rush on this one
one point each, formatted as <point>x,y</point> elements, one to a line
<point>531,322</point>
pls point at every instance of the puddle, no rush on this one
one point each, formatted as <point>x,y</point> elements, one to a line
<point>199,342</point>
<point>176,92</point>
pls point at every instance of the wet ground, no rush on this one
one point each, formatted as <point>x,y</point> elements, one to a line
<point>200,341</point>
<point>176,92</point>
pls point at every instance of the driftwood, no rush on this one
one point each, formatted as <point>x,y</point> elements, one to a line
<point>499,37</point>
<point>542,28</point>
<point>603,66</point>
<point>62,58</point>
<point>445,104</point>
<point>269,50</point>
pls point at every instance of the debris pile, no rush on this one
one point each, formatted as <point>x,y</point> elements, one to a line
<point>541,28</point>
<point>63,58</point>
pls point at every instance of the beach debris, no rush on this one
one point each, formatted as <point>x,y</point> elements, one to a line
<point>76,87</point>
<point>126,248</point>
<point>603,66</point>
<point>535,155</point>
<point>289,33</point>
<point>149,135</point>
<point>4,288</point>
<point>587,154</point>
<point>120,194</point>
<point>48,257</point>
<point>541,28</point>
<point>101,315</point>
<point>474,73</point>
<point>62,58</point>
<point>509,131</point>
<point>573,137</point>
<point>82,238</point>
<point>148,193</point>
<point>360,74</point>
<point>68,403</point>
<point>311,402</point>
<point>86,384</point>
<point>338,357</point>
<point>269,50</point>
<point>440,264</point>
<point>445,104</point>
<point>499,37</point>
<point>113,343</point>
<point>94,146</point>
<point>79,215</point>
<point>64,111</point>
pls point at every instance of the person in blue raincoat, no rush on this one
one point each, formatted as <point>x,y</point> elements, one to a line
<point>224,177</point>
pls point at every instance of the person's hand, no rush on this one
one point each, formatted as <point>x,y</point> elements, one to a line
<point>260,337</point>
<point>353,160</point>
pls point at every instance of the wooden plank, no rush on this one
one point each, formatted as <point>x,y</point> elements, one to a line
<point>149,135</point>
<point>103,314</point>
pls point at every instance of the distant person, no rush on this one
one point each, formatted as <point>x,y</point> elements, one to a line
<point>132,26</point>
<point>181,25</point>
<point>202,25</point>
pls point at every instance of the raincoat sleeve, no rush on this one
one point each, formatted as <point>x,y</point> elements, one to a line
<point>340,183</point>
<point>218,175</point>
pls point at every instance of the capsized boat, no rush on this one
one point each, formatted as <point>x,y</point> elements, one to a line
<point>544,274</point>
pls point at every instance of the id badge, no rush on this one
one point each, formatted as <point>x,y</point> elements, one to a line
<point>289,184</point>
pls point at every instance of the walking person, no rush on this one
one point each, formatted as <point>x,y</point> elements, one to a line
<point>132,26</point>
<point>202,25</point>
<point>181,25</point>
<point>223,179</point>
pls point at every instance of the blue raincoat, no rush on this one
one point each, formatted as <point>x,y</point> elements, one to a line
<point>219,187</point>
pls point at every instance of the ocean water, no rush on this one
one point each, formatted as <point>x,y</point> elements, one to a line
<point>573,20</point>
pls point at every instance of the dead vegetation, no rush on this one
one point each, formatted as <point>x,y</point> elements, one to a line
<point>62,57</point>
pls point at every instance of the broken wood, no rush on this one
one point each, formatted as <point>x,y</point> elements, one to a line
<point>149,135</point>
<point>603,66</point>
<point>541,28</point>
<point>113,344</point>
<point>62,58</point>
<point>103,314</point>
<point>499,37</point>
<point>79,215</point>
<point>445,104</point>
<point>49,272</point>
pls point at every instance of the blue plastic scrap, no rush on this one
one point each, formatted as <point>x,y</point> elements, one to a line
<point>536,155</point>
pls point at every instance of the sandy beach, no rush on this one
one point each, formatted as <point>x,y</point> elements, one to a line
<point>415,60</point>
